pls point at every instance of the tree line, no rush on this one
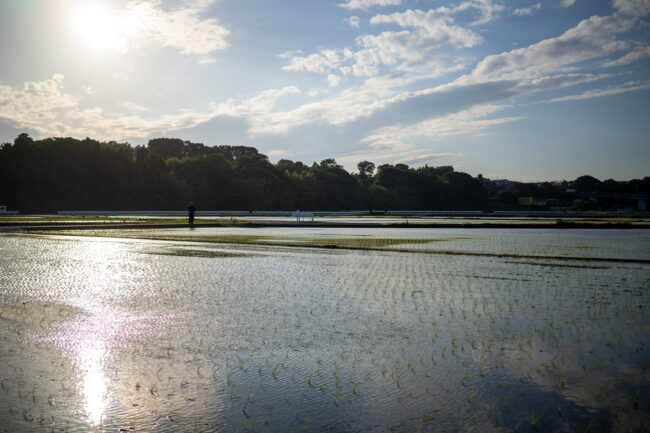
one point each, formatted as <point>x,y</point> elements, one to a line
<point>70,174</point>
<point>585,193</point>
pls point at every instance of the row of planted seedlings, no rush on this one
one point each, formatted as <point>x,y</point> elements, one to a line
<point>391,340</point>
<point>414,337</point>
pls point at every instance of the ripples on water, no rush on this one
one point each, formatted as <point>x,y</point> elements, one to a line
<point>102,335</point>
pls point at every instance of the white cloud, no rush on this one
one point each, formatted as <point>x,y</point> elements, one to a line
<point>259,104</point>
<point>407,155</point>
<point>487,8</point>
<point>593,37</point>
<point>417,159</point>
<point>404,51</point>
<point>410,49</point>
<point>37,103</point>
<point>567,3</point>
<point>99,124</point>
<point>550,64</point>
<point>260,111</point>
<point>633,7</point>
<point>365,4</point>
<point>289,54</point>
<point>353,21</point>
<point>261,114</point>
<point>435,28</point>
<point>527,11</point>
<point>322,62</point>
<point>357,102</point>
<point>462,122</point>
<point>538,67</point>
<point>334,80</point>
<point>347,106</point>
<point>181,28</point>
<point>144,23</point>
<point>44,108</point>
<point>598,93</point>
<point>632,56</point>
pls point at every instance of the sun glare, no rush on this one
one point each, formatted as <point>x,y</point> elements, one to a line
<point>94,382</point>
<point>98,26</point>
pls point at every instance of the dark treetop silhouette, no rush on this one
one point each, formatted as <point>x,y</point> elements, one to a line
<point>69,174</point>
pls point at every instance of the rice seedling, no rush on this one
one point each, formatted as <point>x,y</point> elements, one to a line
<point>324,326</point>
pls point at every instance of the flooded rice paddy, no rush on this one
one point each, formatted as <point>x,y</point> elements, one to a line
<point>361,330</point>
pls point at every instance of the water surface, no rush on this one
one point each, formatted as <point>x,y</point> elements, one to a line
<point>105,334</point>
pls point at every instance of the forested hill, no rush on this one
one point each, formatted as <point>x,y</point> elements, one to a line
<point>68,174</point>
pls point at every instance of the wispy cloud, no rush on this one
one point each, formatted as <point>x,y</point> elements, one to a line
<point>324,61</point>
<point>462,122</point>
<point>45,109</point>
<point>434,26</point>
<point>591,38</point>
<point>527,11</point>
<point>36,104</point>
<point>407,50</point>
<point>389,83</point>
<point>633,7</point>
<point>545,65</point>
<point>365,4</point>
<point>419,159</point>
<point>599,93</point>
<point>289,54</point>
<point>488,9</point>
<point>634,55</point>
<point>408,156</point>
<point>104,125</point>
<point>353,21</point>
<point>147,23</point>
<point>334,80</point>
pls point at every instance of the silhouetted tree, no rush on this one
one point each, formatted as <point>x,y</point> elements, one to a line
<point>366,170</point>
<point>167,147</point>
<point>65,173</point>
<point>586,183</point>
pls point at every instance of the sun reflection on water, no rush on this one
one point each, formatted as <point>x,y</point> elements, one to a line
<point>91,359</point>
<point>100,329</point>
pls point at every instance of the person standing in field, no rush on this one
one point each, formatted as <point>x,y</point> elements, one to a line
<point>190,212</point>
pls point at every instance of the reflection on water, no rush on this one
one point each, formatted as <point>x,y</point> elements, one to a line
<point>93,337</point>
<point>91,359</point>
<point>87,340</point>
<point>109,335</point>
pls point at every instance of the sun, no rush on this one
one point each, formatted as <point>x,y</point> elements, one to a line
<point>98,26</point>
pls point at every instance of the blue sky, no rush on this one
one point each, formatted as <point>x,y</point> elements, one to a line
<point>508,88</point>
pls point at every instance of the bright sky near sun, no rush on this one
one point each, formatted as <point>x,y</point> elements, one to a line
<point>507,88</point>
